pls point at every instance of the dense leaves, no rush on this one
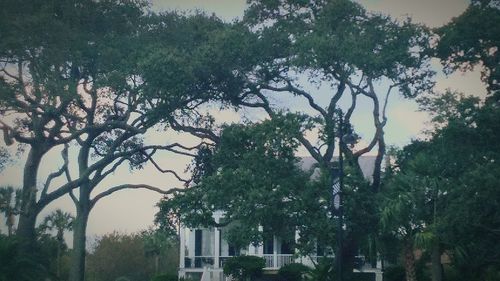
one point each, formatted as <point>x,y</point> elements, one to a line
<point>117,255</point>
<point>471,40</point>
<point>442,192</point>
<point>244,268</point>
<point>254,181</point>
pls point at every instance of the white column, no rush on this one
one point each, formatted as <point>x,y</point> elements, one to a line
<point>260,246</point>
<point>275,252</point>
<point>182,250</point>
<point>298,259</point>
<point>217,247</point>
<point>190,244</point>
<point>217,217</point>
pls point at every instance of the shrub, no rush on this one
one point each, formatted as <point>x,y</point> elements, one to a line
<point>323,270</point>
<point>244,268</point>
<point>394,273</point>
<point>293,272</point>
<point>165,277</point>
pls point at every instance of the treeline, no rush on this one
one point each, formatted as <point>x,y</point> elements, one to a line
<point>145,255</point>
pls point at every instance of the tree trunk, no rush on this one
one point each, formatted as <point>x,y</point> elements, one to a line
<point>349,251</point>
<point>10,223</point>
<point>409,260</point>
<point>28,212</point>
<point>77,272</point>
<point>58,265</point>
<point>83,207</point>
<point>157,263</point>
<point>436,266</point>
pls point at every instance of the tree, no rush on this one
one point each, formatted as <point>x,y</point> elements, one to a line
<point>119,255</point>
<point>470,142</point>
<point>433,198</point>
<point>342,49</point>
<point>141,105</point>
<point>470,40</point>
<point>89,90</point>
<point>59,221</point>
<point>10,202</point>
<point>21,267</point>
<point>163,247</point>
<point>408,210</point>
<point>49,61</point>
<point>253,176</point>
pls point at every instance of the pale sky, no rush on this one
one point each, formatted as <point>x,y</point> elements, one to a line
<point>130,211</point>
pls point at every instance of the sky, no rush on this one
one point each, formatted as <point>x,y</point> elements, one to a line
<point>133,210</point>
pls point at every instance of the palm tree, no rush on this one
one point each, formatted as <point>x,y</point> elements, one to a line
<point>59,221</point>
<point>10,202</point>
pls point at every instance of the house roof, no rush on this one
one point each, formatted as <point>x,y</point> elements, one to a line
<point>366,163</point>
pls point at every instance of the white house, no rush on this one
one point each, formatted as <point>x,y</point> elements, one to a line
<point>203,251</point>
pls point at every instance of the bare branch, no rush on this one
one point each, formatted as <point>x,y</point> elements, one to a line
<point>291,88</point>
<point>133,186</point>
<point>197,132</point>
<point>58,173</point>
<point>186,182</point>
<point>8,139</point>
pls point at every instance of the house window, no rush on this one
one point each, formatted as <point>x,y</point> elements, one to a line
<point>287,247</point>
<point>233,251</point>
<point>198,240</point>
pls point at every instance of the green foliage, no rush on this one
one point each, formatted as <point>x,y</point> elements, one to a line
<point>5,157</point>
<point>163,247</point>
<point>165,277</point>
<point>471,39</point>
<point>394,273</point>
<point>439,192</point>
<point>59,221</point>
<point>133,256</point>
<point>340,38</point>
<point>293,272</point>
<point>323,270</point>
<point>23,267</point>
<point>10,204</point>
<point>255,179</point>
<point>244,268</point>
<point>118,255</point>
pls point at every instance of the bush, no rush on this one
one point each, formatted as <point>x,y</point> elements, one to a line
<point>323,270</point>
<point>165,277</point>
<point>394,273</point>
<point>13,266</point>
<point>244,268</point>
<point>293,272</point>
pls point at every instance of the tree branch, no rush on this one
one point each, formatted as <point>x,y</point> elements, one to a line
<point>58,173</point>
<point>133,186</point>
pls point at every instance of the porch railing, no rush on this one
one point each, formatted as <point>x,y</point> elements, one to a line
<point>269,261</point>
<point>199,262</point>
<point>209,261</point>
